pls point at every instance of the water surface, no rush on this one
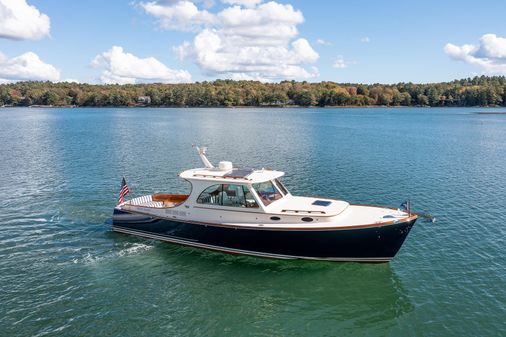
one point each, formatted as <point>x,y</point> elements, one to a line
<point>64,273</point>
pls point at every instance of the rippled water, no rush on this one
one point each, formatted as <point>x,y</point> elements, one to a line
<point>64,273</point>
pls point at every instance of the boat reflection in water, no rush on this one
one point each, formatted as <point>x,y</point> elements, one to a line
<point>250,212</point>
<point>267,294</point>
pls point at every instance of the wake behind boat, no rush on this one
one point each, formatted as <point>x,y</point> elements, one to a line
<point>248,211</point>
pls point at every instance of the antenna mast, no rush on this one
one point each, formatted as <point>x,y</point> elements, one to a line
<point>202,154</point>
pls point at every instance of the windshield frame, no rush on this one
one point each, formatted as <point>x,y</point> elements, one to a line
<point>281,187</point>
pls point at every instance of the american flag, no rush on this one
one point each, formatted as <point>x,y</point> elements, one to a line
<point>123,192</point>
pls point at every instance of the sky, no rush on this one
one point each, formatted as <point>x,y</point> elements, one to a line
<point>178,41</point>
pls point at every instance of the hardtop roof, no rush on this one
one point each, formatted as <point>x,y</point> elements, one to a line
<point>246,175</point>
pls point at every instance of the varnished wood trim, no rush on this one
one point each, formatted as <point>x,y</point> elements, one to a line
<point>178,198</point>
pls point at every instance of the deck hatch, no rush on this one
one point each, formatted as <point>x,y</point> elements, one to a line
<point>322,203</point>
<point>239,173</point>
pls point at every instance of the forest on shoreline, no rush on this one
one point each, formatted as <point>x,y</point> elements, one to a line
<point>477,91</point>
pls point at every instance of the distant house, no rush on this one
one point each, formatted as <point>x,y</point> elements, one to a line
<point>146,100</point>
<point>273,103</point>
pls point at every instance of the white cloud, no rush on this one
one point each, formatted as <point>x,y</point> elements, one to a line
<point>178,15</point>
<point>20,21</point>
<point>490,54</point>
<point>365,39</point>
<point>323,42</point>
<point>245,3</point>
<point>122,68</point>
<point>248,39</point>
<point>492,46</point>
<point>27,67</point>
<point>341,63</point>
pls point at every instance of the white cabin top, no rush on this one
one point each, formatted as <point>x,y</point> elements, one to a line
<point>263,191</point>
<point>231,175</point>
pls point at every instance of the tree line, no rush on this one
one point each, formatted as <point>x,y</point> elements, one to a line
<point>477,91</point>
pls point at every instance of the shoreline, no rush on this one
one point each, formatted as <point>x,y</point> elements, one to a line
<point>469,92</point>
<point>257,107</point>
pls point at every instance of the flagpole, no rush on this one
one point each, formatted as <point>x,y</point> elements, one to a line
<point>124,191</point>
<point>129,190</point>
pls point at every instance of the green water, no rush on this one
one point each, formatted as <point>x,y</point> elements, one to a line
<point>64,273</point>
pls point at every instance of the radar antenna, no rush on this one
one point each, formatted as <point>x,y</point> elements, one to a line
<point>202,154</point>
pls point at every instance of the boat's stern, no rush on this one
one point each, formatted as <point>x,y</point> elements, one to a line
<point>145,208</point>
<point>121,217</point>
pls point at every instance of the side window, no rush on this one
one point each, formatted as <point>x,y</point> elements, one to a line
<point>250,199</point>
<point>237,196</point>
<point>233,195</point>
<point>211,195</point>
<point>230,195</point>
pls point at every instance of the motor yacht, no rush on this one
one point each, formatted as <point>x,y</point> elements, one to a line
<point>249,211</point>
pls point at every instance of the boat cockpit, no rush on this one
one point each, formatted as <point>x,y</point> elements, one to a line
<point>242,195</point>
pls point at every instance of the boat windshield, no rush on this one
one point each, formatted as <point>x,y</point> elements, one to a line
<point>267,192</point>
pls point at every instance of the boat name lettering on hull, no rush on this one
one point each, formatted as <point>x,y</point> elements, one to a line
<point>175,212</point>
